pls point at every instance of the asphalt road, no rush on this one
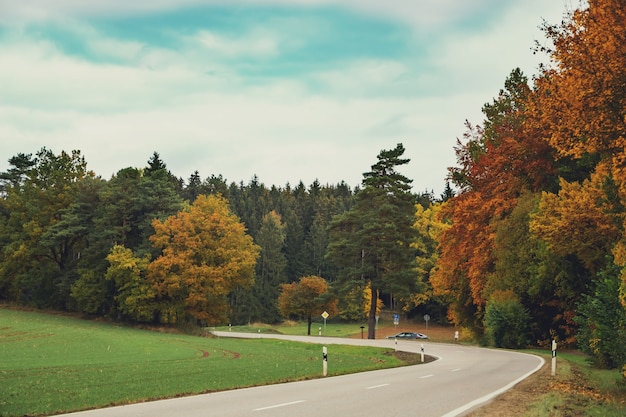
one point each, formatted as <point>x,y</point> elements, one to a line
<point>462,379</point>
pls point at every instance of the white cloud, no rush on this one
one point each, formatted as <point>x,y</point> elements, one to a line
<point>258,43</point>
<point>367,77</point>
<point>422,14</point>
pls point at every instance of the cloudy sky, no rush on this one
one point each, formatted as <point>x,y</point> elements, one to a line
<point>288,90</point>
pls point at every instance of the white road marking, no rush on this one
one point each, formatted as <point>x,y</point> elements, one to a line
<point>456,370</point>
<point>376,386</point>
<point>279,405</point>
<point>426,376</point>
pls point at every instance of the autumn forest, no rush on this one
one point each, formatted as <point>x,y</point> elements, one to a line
<point>527,243</point>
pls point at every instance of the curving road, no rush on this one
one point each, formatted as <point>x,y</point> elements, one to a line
<point>462,379</point>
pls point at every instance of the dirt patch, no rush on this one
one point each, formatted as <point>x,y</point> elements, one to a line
<point>434,332</point>
<point>225,353</point>
<point>412,358</point>
<point>8,336</point>
<point>232,354</point>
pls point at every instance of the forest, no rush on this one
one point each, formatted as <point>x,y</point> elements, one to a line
<point>527,243</point>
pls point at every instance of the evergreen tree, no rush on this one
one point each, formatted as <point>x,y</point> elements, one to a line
<point>44,225</point>
<point>371,243</point>
<point>270,269</point>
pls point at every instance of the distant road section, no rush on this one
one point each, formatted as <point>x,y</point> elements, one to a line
<point>462,379</point>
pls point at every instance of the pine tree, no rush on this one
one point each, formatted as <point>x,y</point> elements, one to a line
<point>371,243</point>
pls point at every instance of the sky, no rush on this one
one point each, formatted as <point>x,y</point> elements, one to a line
<point>287,90</point>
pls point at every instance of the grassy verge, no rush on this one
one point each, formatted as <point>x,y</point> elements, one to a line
<point>52,364</point>
<point>577,389</point>
<point>299,328</point>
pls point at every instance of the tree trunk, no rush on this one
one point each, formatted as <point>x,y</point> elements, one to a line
<point>309,321</point>
<point>371,320</point>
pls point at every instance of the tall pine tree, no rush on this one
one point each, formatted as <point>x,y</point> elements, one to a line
<point>371,243</point>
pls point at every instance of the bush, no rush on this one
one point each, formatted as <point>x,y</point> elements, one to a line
<point>506,321</point>
<point>602,321</point>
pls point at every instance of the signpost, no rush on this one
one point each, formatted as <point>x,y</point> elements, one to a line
<point>396,319</point>
<point>426,319</point>
<point>325,316</point>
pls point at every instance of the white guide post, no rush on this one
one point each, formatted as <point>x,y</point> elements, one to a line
<point>324,361</point>
<point>553,357</point>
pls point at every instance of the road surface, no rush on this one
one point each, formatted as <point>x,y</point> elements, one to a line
<point>462,379</point>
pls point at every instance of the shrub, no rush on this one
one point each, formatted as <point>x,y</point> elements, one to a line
<point>506,321</point>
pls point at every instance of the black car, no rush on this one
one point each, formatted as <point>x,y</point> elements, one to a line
<point>408,335</point>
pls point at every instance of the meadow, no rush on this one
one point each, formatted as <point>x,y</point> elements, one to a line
<point>51,364</point>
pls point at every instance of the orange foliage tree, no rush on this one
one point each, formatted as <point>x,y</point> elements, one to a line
<point>581,103</point>
<point>307,298</point>
<point>560,145</point>
<point>206,254</point>
<point>497,163</point>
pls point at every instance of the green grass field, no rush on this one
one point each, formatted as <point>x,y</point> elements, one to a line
<point>51,364</point>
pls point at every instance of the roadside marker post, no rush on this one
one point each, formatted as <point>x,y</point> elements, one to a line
<point>422,352</point>
<point>324,361</point>
<point>553,357</point>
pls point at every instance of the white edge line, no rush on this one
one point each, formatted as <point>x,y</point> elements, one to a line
<point>377,386</point>
<point>278,405</point>
<point>494,394</point>
<point>426,376</point>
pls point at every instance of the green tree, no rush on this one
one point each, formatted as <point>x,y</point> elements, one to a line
<point>44,225</point>
<point>316,243</point>
<point>126,206</point>
<point>271,269</point>
<point>306,299</point>
<point>355,305</point>
<point>371,243</point>
<point>14,178</point>
<point>602,321</point>
<point>506,321</point>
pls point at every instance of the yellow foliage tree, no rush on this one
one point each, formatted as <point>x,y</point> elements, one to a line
<point>574,222</point>
<point>206,254</point>
<point>430,225</point>
<point>135,297</point>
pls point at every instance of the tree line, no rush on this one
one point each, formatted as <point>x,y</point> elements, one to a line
<point>145,246</point>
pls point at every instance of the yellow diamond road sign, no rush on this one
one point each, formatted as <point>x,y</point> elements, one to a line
<point>325,315</point>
